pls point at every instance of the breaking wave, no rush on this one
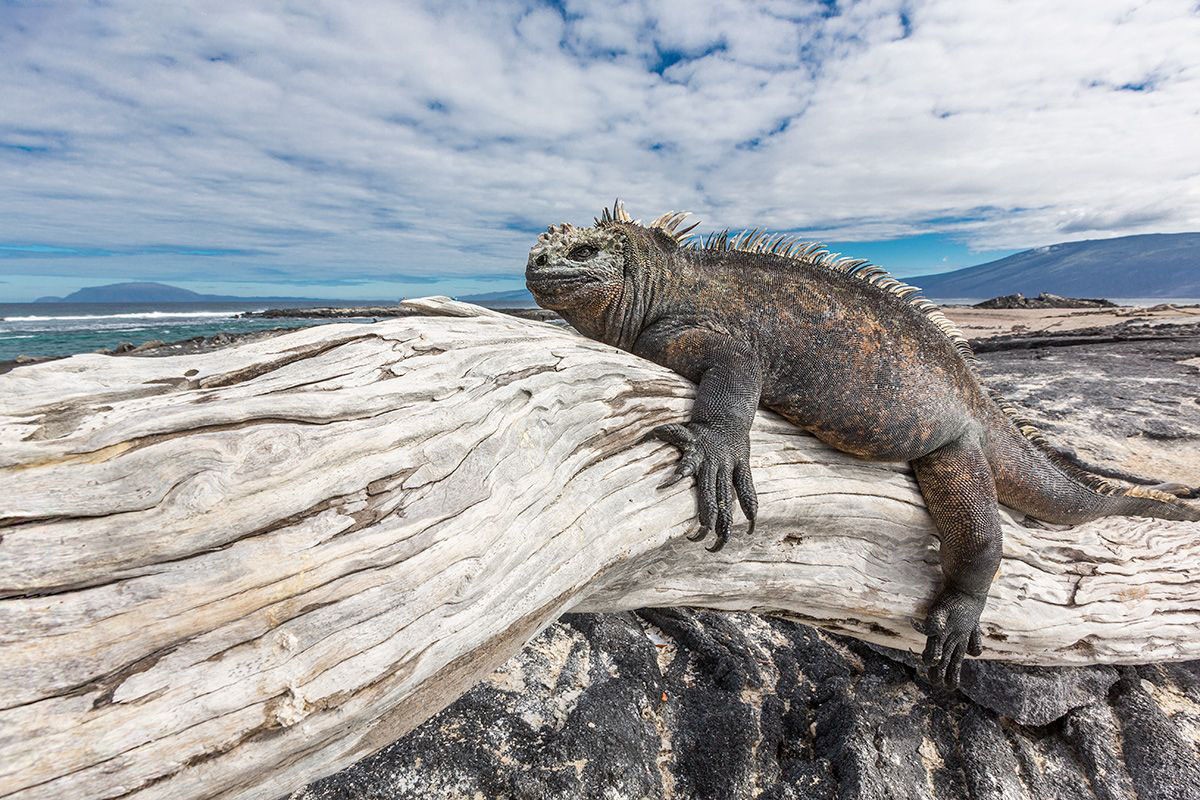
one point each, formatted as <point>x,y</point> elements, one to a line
<point>129,315</point>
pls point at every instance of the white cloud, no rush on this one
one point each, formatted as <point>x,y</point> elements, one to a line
<point>370,138</point>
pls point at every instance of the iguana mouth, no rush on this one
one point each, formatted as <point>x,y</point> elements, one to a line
<point>559,278</point>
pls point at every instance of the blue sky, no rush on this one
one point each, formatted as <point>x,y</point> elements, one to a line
<point>378,150</point>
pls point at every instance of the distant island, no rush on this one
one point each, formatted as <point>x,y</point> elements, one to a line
<point>152,292</point>
<point>149,292</point>
<point>1149,265</point>
<point>514,298</point>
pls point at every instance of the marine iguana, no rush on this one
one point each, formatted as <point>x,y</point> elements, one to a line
<point>842,350</point>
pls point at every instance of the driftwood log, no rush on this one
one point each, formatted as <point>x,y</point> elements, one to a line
<point>227,574</point>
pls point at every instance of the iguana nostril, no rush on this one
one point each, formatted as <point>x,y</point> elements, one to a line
<point>540,260</point>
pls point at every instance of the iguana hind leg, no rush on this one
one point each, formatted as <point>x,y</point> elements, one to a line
<point>960,494</point>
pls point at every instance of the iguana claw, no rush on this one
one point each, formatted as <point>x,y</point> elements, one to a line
<point>952,628</point>
<point>722,470</point>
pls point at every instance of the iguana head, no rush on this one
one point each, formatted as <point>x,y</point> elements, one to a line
<point>573,268</point>
<point>594,276</point>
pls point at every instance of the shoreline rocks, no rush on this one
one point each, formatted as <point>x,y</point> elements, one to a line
<point>1128,331</point>
<point>1044,300</point>
<point>380,312</point>
<point>687,703</point>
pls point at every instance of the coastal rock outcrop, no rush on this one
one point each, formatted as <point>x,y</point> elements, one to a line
<point>1044,300</point>
<point>692,704</point>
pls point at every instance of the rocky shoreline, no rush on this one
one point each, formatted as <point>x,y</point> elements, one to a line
<point>157,347</point>
<point>205,344</point>
<point>695,704</point>
<point>1044,300</point>
<point>379,312</point>
<point>999,323</point>
<point>1128,331</point>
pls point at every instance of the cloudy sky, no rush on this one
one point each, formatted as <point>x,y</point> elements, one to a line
<point>373,150</point>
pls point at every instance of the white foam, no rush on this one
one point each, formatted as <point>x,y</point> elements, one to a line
<point>131,315</point>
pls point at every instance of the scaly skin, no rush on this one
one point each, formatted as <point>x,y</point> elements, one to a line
<point>853,363</point>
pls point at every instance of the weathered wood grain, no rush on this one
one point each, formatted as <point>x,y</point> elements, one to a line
<point>224,575</point>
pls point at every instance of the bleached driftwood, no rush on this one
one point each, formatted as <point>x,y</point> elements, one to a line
<point>225,575</point>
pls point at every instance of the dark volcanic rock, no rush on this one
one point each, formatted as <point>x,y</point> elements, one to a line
<point>1159,753</point>
<point>197,344</point>
<point>383,312</point>
<point>350,312</point>
<point>700,704</point>
<point>1128,331</point>
<point>1044,300</point>
<point>1034,695</point>
<point>1028,695</point>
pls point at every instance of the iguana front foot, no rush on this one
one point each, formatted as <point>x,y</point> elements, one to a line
<point>721,464</point>
<point>952,628</point>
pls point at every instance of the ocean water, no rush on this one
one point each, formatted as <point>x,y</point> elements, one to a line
<point>60,329</point>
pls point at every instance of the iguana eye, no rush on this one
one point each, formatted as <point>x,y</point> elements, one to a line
<point>582,253</point>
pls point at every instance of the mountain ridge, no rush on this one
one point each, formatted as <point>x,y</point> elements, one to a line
<point>511,298</point>
<point>153,292</point>
<point>1143,265</point>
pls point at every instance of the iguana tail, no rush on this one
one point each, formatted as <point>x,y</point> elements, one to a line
<point>1033,477</point>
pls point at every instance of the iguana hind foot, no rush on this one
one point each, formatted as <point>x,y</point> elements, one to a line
<point>952,631</point>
